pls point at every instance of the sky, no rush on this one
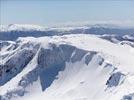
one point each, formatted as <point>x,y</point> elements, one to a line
<point>47,12</point>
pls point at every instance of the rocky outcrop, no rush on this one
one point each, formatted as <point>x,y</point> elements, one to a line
<point>128,97</point>
<point>15,64</point>
<point>115,79</point>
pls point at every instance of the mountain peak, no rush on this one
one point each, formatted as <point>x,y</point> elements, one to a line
<point>21,27</point>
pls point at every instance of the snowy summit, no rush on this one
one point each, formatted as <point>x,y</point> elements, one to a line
<point>79,63</point>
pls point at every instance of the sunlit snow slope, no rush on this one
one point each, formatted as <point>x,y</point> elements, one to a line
<point>66,67</point>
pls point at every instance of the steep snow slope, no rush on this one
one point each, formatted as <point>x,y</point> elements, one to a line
<point>68,67</point>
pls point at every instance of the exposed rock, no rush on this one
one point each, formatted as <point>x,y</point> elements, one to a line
<point>128,97</point>
<point>115,79</point>
<point>15,64</point>
<point>88,57</point>
<point>79,54</point>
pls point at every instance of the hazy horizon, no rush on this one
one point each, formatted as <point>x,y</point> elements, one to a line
<point>50,12</point>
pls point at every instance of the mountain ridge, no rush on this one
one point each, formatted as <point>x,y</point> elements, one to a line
<point>65,67</point>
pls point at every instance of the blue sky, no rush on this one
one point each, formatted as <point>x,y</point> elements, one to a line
<point>46,12</point>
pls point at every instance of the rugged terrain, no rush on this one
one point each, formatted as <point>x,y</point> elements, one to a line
<point>70,63</point>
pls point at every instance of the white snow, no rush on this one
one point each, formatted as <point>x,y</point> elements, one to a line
<point>80,81</point>
<point>19,27</point>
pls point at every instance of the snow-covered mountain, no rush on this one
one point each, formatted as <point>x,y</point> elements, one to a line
<point>70,63</point>
<point>20,27</point>
<point>13,31</point>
